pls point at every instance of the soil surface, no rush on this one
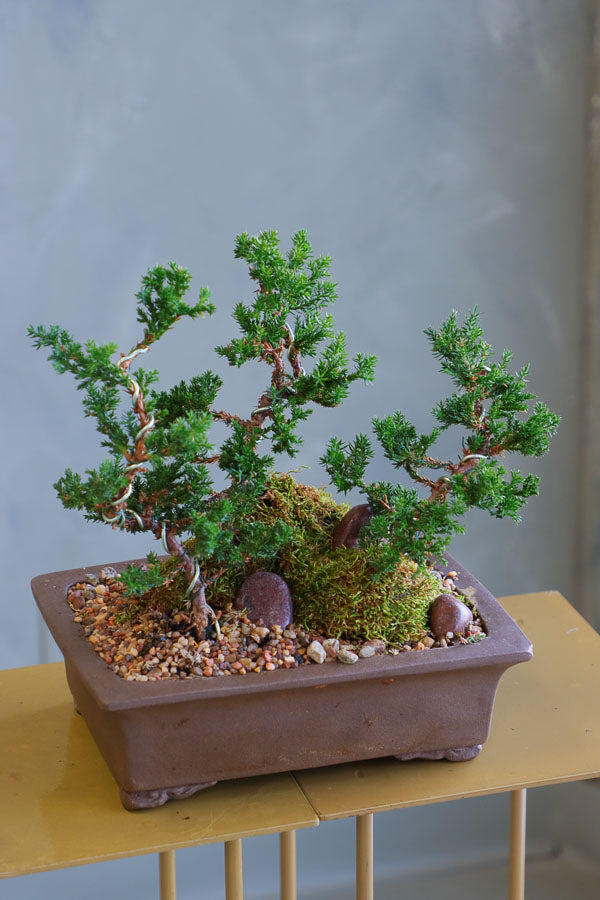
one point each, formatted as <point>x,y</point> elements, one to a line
<point>158,645</point>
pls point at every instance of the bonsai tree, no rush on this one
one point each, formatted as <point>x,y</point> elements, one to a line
<point>492,407</point>
<point>369,581</point>
<point>157,475</point>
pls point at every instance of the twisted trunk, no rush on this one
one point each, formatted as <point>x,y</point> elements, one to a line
<point>197,596</point>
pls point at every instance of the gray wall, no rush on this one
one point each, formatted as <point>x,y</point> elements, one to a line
<point>436,150</point>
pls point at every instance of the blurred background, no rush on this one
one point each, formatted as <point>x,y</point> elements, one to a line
<point>444,155</point>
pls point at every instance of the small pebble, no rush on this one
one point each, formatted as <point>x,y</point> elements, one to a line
<point>77,600</point>
<point>317,652</point>
<point>159,646</point>
<point>331,647</point>
<point>377,644</point>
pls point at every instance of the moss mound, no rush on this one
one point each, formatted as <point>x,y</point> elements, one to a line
<point>333,591</point>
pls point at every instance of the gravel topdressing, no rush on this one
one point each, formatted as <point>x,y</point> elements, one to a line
<point>159,646</point>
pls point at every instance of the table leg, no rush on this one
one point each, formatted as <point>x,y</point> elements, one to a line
<point>234,884</point>
<point>166,863</point>
<point>516,870</point>
<point>287,856</point>
<point>364,857</point>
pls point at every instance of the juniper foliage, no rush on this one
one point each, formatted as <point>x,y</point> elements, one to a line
<point>157,476</point>
<point>493,407</point>
<point>287,322</point>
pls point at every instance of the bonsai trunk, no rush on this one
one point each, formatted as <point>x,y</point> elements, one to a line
<point>199,606</point>
<point>197,595</point>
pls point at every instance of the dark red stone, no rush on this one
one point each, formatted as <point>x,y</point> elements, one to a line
<point>76,599</point>
<point>266,596</point>
<point>347,531</point>
<point>449,614</point>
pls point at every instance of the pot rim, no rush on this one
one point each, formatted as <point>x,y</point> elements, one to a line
<point>504,646</point>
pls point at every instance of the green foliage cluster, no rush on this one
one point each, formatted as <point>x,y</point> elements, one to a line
<point>287,318</point>
<point>139,581</point>
<point>158,474</point>
<point>492,407</point>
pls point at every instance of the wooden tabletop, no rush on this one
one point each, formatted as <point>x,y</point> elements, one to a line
<point>62,808</point>
<point>61,805</point>
<point>545,728</point>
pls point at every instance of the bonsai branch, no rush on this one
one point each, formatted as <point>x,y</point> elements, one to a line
<point>467,463</point>
<point>138,457</point>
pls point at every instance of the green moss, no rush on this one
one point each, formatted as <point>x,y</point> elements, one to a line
<point>333,591</point>
<point>336,594</point>
<point>310,511</point>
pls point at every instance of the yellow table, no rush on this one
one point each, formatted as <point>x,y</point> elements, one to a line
<point>545,730</point>
<point>65,808</point>
<point>65,804</point>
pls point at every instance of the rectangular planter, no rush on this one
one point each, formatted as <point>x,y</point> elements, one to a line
<point>170,738</point>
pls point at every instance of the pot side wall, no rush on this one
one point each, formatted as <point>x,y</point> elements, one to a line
<point>171,733</point>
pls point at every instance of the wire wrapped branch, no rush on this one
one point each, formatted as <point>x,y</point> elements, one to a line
<point>138,458</point>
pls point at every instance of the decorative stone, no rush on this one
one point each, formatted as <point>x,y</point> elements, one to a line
<point>316,652</point>
<point>331,647</point>
<point>449,614</point>
<point>266,596</point>
<point>347,656</point>
<point>366,651</point>
<point>347,531</point>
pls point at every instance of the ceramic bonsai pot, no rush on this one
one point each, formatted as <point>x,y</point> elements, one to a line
<point>172,738</point>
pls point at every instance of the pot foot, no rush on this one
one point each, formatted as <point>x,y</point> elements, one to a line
<point>133,800</point>
<point>457,754</point>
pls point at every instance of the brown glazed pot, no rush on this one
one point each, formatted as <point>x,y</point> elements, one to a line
<point>171,738</point>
